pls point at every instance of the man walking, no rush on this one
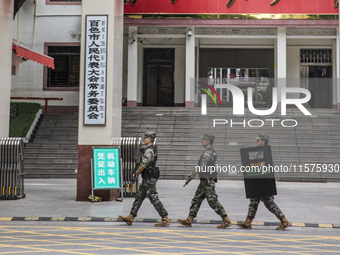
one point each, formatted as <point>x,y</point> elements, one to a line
<point>206,188</point>
<point>150,174</point>
<point>262,140</point>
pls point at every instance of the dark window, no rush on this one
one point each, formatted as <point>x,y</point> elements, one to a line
<point>308,56</point>
<point>67,65</point>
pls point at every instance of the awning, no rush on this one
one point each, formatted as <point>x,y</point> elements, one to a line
<point>34,56</point>
<point>17,6</point>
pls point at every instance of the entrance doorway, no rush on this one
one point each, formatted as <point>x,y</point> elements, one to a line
<point>158,78</point>
<point>320,86</point>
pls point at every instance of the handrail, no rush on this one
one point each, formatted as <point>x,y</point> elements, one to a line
<point>39,98</point>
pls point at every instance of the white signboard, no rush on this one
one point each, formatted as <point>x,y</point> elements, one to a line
<point>95,70</point>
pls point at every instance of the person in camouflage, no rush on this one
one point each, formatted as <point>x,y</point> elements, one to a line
<point>148,185</point>
<point>206,188</point>
<point>263,140</point>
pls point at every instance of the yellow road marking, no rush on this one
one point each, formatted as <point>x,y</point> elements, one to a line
<point>298,224</point>
<point>84,219</point>
<point>5,218</point>
<point>325,225</point>
<point>258,223</point>
<point>31,218</point>
<point>58,218</point>
<point>171,241</point>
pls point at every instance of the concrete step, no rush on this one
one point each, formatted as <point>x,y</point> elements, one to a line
<point>51,160</point>
<point>43,175</point>
<point>51,145</point>
<point>32,154</point>
<point>58,139</point>
<point>54,150</point>
<point>314,140</point>
<point>57,168</point>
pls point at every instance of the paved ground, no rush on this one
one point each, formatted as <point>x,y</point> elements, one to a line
<point>50,221</point>
<point>54,238</point>
<point>311,203</point>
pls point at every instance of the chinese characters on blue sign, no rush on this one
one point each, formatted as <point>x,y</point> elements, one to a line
<point>106,168</point>
<point>95,70</point>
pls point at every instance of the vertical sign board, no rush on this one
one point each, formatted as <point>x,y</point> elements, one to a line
<point>95,70</point>
<point>106,172</point>
<point>259,179</point>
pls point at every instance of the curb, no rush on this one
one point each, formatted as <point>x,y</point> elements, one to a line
<point>148,220</point>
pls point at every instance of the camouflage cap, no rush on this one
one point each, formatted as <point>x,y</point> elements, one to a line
<point>210,137</point>
<point>151,134</point>
<point>262,137</point>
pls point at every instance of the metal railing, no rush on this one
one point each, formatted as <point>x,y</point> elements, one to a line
<point>130,148</point>
<point>11,168</point>
<point>46,99</point>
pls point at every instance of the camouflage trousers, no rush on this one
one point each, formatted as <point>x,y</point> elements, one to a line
<point>268,202</point>
<point>206,189</point>
<point>148,189</point>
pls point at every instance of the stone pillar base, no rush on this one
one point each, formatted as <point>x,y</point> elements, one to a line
<point>189,104</point>
<point>131,103</point>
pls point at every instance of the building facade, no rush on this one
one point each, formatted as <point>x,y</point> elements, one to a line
<point>52,28</point>
<point>257,45</point>
<point>107,54</point>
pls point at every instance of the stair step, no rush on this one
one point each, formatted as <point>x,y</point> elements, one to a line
<point>179,147</point>
<point>51,168</point>
<point>54,150</point>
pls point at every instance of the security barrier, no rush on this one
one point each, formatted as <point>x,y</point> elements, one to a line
<point>11,168</point>
<point>131,153</point>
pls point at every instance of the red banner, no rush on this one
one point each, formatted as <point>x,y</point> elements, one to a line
<point>234,7</point>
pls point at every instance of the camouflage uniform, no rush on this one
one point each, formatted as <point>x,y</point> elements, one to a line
<point>148,185</point>
<point>206,188</point>
<point>262,140</point>
<point>268,202</point>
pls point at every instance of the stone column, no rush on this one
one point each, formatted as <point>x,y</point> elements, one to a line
<point>132,67</point>
<point>101,135</point>
<point>281,61</point>
<point>6,21</point>
<point>190,67</point>
<point>337,73</point>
